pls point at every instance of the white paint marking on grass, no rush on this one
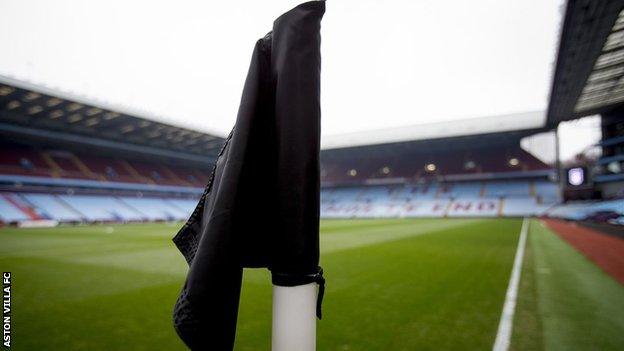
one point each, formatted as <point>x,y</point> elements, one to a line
<point>503,336</point>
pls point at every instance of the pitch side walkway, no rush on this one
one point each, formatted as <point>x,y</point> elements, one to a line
<point>605,250</point>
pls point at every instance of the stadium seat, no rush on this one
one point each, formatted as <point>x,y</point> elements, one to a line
<point>9,213</point>
<point>155,209</point>
<point>55,208</point>
<point>102,208</point>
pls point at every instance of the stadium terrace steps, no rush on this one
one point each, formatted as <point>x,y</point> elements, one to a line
<point>133,172</point>
<point>465,207</point>
<point>155,209</point>
<point>171,175</point>
<point>463,190</point>
<point>369,202</point>
<point>501,199</point>
<point>32,212</point>
<point>23,161</point>
<point>458,199</point>
<point>474,207</point>
<point>432,199</point>
<point>513,188</point>
<point>9,213</point>
<point>54,207</point>
<point>607,210</point>
<point>101,208</point>
<point>56,170</point>
<point>84,169</point>
<point>91,208</point>
<point>409,164</point>
<point>109,169</point>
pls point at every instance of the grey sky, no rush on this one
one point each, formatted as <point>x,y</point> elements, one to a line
<point>385,63</point>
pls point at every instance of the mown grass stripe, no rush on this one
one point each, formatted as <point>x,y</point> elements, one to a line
<point>354,237</point>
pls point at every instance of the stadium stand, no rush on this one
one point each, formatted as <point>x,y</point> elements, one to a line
<point>15,160</point>
<point>155,208</point>
<point>109,169</point>
<point>100,208</point>
<point>461,190</point>
<point>607,211</point>
<point>54,207</point>
<point>507,189</point>
<point>467,199</point>
<point>18,160</point>
<point>16,207</point>
<point>69,184</point>
<point>10,213</point>
<point>484,175</point>
<point>485,207</point>
<point>74,161</point>
<point>476,161</point>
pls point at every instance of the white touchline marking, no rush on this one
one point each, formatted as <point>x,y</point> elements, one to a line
<point>503,336</point>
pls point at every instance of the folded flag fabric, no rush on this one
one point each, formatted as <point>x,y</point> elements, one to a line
<point>260,207</point>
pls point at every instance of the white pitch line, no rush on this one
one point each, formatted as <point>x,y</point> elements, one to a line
<point>503,336</point>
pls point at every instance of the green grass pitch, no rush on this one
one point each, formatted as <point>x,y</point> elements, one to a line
<point>404,284</point>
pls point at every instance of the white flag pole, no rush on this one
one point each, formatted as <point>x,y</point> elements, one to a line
<point>294,317</point>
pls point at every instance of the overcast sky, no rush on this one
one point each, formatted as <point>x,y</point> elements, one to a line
<point>385,63</point>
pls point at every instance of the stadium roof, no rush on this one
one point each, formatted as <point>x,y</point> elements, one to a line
<point>589,74</point>
<point>527,121</point>
<point>36,112</point>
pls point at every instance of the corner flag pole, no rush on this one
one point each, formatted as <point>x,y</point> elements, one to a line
<point>295,314</point>
<point>294,318</point>
<point>273,153</point>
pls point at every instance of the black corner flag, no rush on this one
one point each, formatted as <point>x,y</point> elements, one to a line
<point>260,207</point>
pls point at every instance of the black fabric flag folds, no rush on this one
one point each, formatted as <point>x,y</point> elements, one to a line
<point>260,207</point>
